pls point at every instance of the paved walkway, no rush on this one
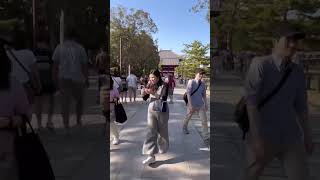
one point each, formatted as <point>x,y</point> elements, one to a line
<point>80,153</point>
<point>187,158</point>
<point>228,157</point>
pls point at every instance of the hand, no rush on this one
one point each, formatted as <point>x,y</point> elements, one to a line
<point>190,107</point>
<point>308,144</point>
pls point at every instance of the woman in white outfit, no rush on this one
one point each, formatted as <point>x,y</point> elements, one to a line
<point>157,139</point>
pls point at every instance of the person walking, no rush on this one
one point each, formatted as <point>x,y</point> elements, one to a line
<point>109,94</point>
<point>197,102</point>
<point>171,86</point>
<point>280,129</point>
<point>132,86</point>
<point>157,138</point>
<point>13,104</point>
<point>46,97</point>
<point>24,66</point>
<point>70,70</point>
<point>124,87</point>
<point>101,64</point>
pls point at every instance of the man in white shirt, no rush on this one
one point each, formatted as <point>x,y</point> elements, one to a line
<point>71,75</point>
<point>132,86</point>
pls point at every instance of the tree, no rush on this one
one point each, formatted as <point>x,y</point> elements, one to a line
<point>135,29</point>
<point>195,55</point>
<point>249,24</point>
<point>202,5</point>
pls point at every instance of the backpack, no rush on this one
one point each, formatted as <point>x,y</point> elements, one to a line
<point>45,66</point>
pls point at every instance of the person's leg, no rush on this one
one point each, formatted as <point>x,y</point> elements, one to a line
<point>114,131</point>
<point>134,94</point>
<point>79,96</point>
<point>163,139</point>
<point>150,147</point>
<point>130,93</point>
<point>186,121</point>
<point>295,163</point>
<point>50,111</point>
<point>65,101</point>
<point>204,120</point>
<point>255,167</point>
<point>38,107</point>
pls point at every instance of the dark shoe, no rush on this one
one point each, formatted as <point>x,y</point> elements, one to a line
<point>185,130</point>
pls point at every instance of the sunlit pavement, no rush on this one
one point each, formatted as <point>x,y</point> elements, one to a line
<point>188,157</point>
<point>80,152</point>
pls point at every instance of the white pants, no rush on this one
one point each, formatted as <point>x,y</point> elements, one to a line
<point>203,117</point>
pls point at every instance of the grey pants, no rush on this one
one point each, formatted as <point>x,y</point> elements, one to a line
<point>157,139</point>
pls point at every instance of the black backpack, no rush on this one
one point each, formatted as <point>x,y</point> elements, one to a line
<point>45,67</point>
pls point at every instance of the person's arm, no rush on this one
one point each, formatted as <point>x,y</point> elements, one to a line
<point>204,96</point>
<point>35,76</point>
<point>253,87</point>
<point>301,107</point>
<point>55,67</point>
<point>84,66</point>
<point>189,89</point>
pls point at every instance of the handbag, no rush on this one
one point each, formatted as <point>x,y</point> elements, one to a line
<point>241,114</point>
<point>121,116</point>
<point>185,97</point>
<point>159,106</point>
<point>33,161</point>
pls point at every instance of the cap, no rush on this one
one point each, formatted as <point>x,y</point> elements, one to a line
<point>288,30</point>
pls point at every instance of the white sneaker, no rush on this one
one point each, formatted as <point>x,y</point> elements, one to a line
<point>149,160</point>
<point>115,141</point>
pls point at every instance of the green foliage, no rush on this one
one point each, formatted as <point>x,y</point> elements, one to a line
<point>195,55</point>
<point>202,5</point>
<point>249,24</point>
<point>135,28</point>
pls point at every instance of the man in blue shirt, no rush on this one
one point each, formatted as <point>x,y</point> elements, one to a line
<point>197,102</point>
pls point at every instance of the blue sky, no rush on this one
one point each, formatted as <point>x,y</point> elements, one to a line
<point>177,24</point>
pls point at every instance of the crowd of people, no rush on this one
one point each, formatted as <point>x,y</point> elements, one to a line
<point>155,90</point>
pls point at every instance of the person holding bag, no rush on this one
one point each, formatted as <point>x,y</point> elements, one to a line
<point>24,66</point>
<point>157,139</point>
<point>280,128</point>
<point>110,95</point>
<point>197,101</point>
<point>13,102</point>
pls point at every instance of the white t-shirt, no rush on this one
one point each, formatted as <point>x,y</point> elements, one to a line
<point>132,80</point>
<point>27,58</point>
<point>70,56</point>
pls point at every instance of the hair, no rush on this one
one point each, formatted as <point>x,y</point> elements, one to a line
<point>5,69</point>
<point>157,73</point>
<point>200,71</point>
